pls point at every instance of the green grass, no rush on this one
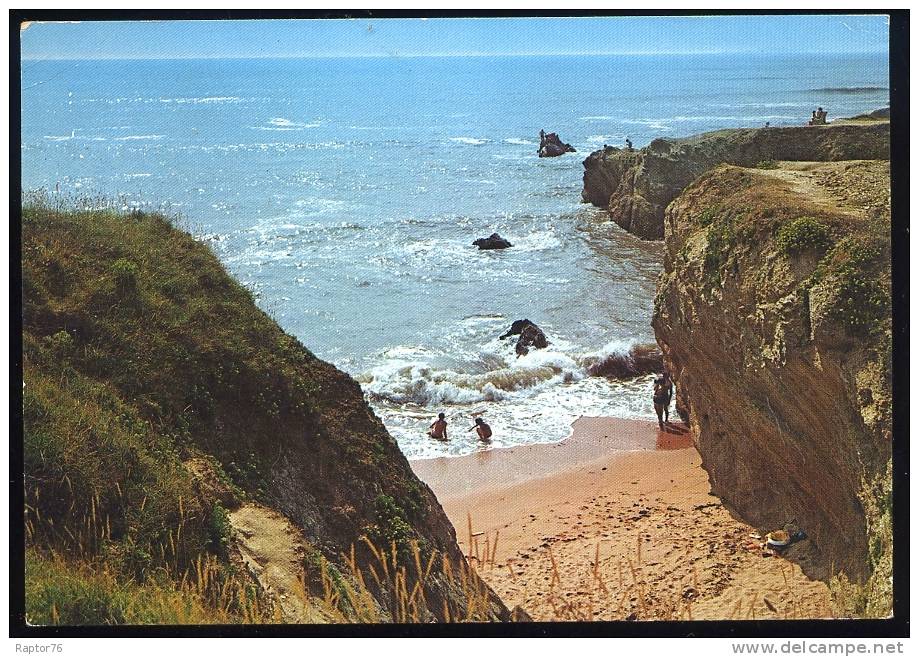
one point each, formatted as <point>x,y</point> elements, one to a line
<point>139,353</point>
<point>138,350</point>
<point>60,592</point>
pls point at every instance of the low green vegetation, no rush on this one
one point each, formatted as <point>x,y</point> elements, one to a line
<point>767,164</point>
<point>707,216</point>
<point>804,234</point>
<point>157,396</point>
<point>874,597</point>
<point>726,229</point>
<point>62,592</point>
<point>221,531</point>
<point>138,350</point>
<point>858,268</point>
<point>391,525</point>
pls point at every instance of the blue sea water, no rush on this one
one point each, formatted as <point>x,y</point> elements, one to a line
<point>346,194</point>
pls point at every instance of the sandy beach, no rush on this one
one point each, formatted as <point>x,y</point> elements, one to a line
<point>615,522</point>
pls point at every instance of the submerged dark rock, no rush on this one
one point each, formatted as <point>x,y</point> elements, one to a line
<point>550,145</point>
<point>493,241</point>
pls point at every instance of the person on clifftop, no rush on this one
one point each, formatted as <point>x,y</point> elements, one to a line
<point>438,430</point>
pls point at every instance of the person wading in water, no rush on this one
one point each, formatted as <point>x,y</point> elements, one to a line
<point>438,430</point>
<point>482,429</point>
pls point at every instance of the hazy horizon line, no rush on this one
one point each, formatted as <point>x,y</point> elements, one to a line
<point>460,55</point>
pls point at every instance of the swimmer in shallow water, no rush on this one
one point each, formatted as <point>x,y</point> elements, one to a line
<point>438,430</point>
<point>482,429</point>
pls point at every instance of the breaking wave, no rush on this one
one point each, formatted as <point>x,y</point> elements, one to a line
<point>500,376</point>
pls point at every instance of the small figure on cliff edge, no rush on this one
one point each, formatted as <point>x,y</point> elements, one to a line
<point>482,429</point>
<point>818,117</point>
<point>628,144</point>
<point>438,430</point>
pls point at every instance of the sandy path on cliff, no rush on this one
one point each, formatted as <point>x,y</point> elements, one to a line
<point>273,549</point>
<point>852,187</point>
<point>623,535</point>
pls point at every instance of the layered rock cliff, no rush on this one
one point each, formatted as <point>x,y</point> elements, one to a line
<point>169,422</point>
<point>773,313</point>
<point>635,186</point>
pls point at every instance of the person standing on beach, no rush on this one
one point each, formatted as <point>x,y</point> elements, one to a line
<point>661,399</point>
<point>668,383</point>
<point>438,430</point>
<point>482,429</point>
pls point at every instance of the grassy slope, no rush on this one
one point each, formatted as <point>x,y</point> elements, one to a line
<point>140,352</point>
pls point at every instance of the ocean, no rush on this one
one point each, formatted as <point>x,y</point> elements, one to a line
<point>346,193</point>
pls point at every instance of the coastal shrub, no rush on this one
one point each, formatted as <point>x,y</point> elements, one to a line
<point>327,581</point>
<point>221,531</point>
<point>125,273</point>
<point>721,240</point>
<point>861,302</point>
<point>247,475</point>
<point>708,216</point>
<point>60,344</point>
<point>391,524</point>
<point>803,234</point>
<point>767,164</point>
<point>854,264</point>
<point>109,428</point>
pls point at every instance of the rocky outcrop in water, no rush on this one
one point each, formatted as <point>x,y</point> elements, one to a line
<point>550,145</point>
<point>773,313</point>
<point>636,186</point>
<point>529,334</point>
<point>493,241</point>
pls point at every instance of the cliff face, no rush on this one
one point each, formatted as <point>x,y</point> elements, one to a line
<point>773,313</point>
<point>636,186</point>
<point>160,400</point>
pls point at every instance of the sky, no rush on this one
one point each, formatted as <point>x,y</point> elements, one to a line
<point>452,36</point>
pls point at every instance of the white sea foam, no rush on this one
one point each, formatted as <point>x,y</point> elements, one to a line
<point>139,138</point>
<point>472,141</point>
<point>605,139</point>
<point>281,124</point>
<point>519,142</point>
<point>539,240</point>
<point>202,99</point>
<point>654,124</point>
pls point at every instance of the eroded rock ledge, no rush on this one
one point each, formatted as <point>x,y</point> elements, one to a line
<point>773,313</point>
<point>636,185</point>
